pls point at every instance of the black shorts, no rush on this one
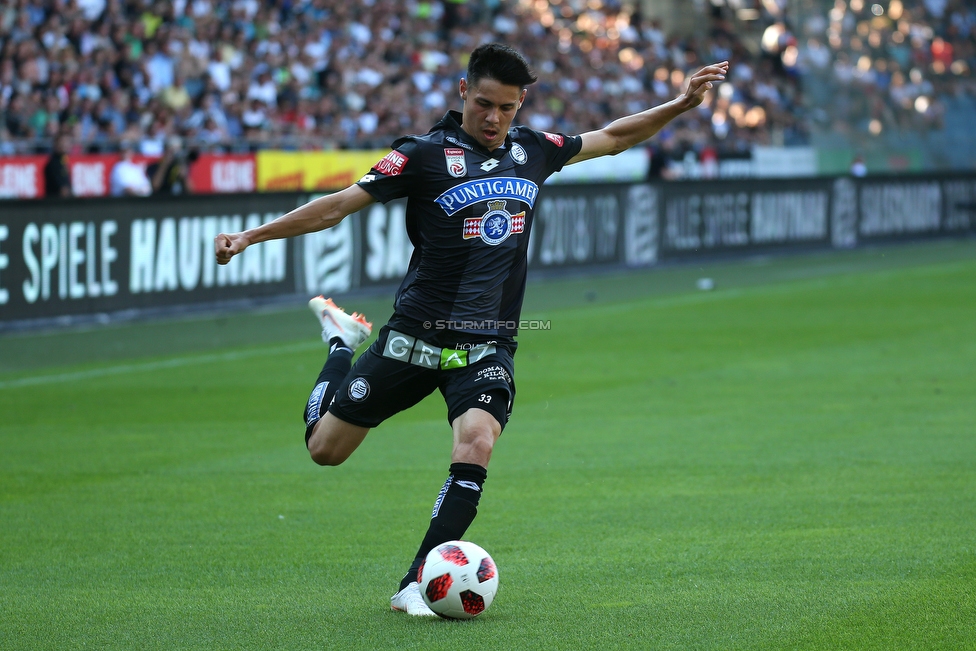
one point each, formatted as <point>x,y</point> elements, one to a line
<point>398,370</point>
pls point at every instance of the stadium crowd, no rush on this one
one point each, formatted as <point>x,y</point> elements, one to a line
<point>871,67</point>
<point>232,75</point>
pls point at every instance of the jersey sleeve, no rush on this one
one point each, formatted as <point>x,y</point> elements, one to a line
<point>559,148</point>
<point>395,174</point>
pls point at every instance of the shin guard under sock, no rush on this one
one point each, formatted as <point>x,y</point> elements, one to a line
<point>335,370</point>
<point>454,511</point>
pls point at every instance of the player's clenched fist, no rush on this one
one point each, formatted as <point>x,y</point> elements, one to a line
<point>227,246</point>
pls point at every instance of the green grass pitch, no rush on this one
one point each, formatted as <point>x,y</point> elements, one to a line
<point>786,462</point>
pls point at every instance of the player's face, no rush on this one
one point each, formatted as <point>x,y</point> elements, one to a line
<point>489,108</point>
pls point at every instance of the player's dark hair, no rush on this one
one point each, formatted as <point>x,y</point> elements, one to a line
<point>501,63</point>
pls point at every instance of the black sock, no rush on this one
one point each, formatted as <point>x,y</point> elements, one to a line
<point>454,511</point>
<point>335,370</point>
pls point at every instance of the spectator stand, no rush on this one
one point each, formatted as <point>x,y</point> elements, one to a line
<point>236,76</point>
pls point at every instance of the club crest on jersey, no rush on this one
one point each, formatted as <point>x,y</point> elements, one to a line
<point>519,155</point>
<point>456,166</point>
<point>358,389</point>
<point>495,226</point>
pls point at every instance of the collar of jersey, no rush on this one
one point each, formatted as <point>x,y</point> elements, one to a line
<point>452,121</point>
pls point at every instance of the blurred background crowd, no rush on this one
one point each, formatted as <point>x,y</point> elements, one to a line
<point>242,75</point>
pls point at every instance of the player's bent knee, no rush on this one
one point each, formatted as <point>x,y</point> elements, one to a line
<point>326,457</point>
<point>476,441</point>
<point>333,441</point>
<point>326,452</point>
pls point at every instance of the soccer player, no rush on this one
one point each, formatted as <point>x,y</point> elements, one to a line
<point>472,184</point>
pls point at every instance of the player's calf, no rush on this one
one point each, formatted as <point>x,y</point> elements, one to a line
<point>344,333</point>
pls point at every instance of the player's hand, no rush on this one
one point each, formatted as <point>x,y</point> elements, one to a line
<point>702,81</point>
<point>227,246</point>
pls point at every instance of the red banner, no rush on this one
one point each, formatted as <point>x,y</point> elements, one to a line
<point>91,173</point>
<point>22,177</point>
<point>212,173</point>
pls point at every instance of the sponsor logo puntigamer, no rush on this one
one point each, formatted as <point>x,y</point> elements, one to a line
<point>465,194</point>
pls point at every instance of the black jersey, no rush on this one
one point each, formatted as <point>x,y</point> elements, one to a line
<point>469,213</point>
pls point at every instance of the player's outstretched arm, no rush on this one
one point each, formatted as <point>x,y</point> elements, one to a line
<point>319,214</point>
<point>624,133</point>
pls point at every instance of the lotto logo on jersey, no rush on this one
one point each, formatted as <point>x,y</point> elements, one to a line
<point>456,166</point>
<point>495,226</point>
<point>554,138</point>
<point>391,164</point>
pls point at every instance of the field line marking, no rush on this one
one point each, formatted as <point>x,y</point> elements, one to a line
<point>174,362</point>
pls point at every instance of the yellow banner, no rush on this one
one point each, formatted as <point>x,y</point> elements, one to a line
<point>313,170</point>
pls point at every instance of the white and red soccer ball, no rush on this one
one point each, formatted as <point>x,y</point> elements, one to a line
<point>458,580</point>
